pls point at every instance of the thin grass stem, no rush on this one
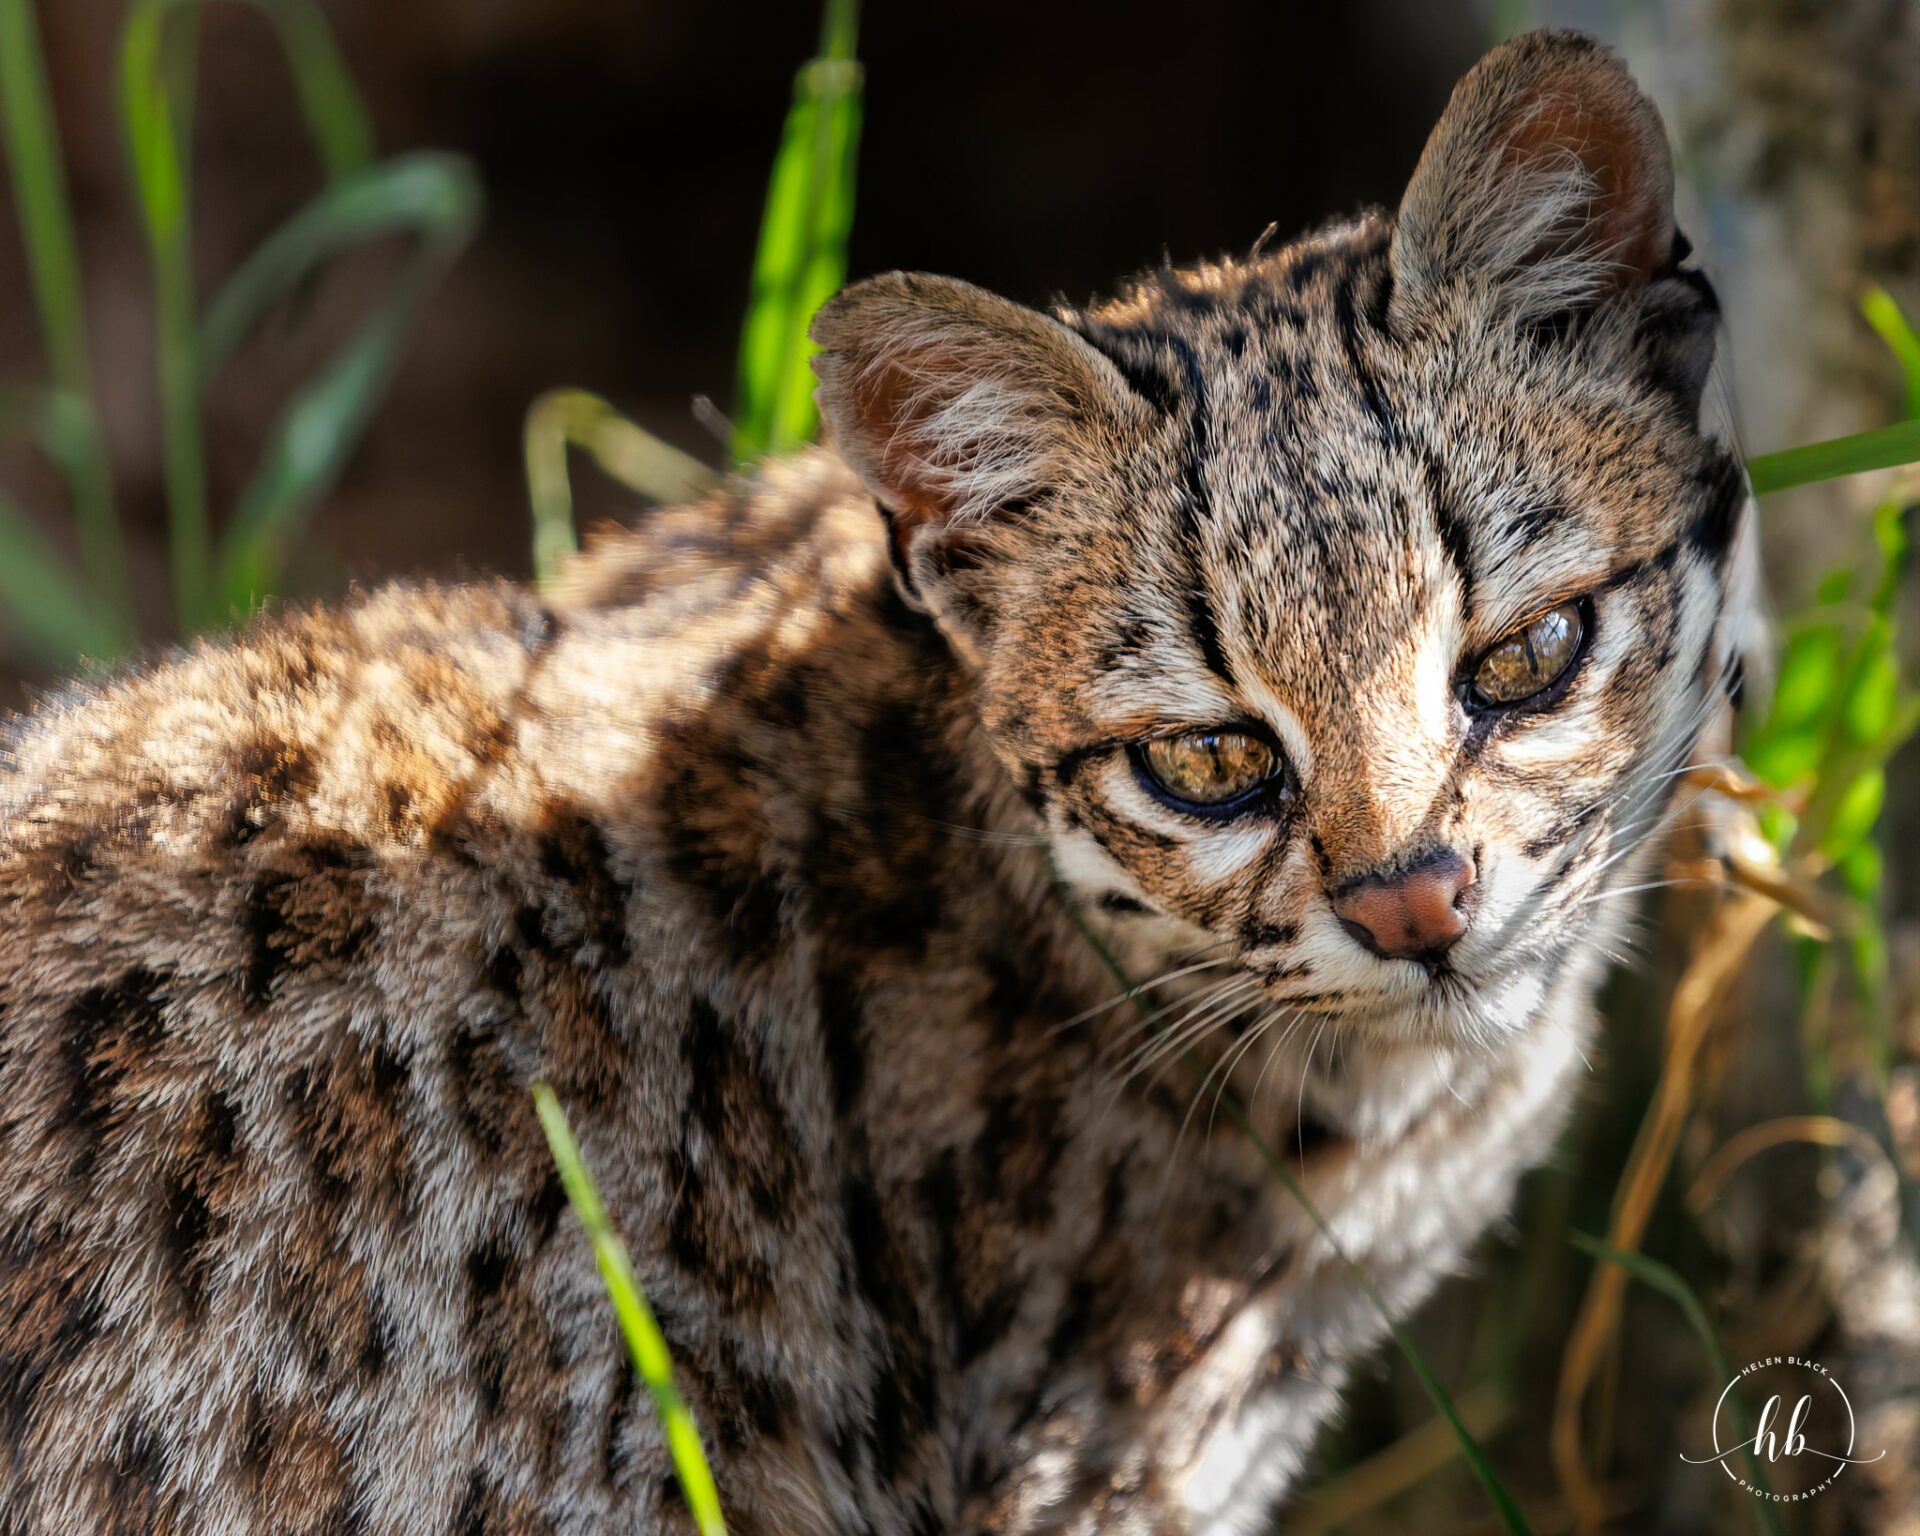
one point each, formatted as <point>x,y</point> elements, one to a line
<point>1662,1278</point>
<point>638,1326</point>
<point>574,418</point>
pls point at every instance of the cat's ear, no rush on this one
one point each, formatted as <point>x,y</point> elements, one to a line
<point>957,408</point>
<point>1547,175</point>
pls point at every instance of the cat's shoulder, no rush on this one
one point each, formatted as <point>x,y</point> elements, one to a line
<point>386,714</point>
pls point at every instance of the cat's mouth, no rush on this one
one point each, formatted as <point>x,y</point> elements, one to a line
<point>1443,1007</point>
<point>1429,982</point>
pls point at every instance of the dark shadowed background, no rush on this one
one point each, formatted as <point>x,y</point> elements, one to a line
<point>1037,149</point>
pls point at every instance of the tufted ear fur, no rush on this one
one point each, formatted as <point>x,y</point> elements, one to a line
<point>1548,174</point>
<point>957,408</point>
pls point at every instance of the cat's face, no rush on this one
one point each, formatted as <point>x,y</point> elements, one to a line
<point>1349,610</point>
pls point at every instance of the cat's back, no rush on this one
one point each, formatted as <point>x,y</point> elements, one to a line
<point>287,925</point>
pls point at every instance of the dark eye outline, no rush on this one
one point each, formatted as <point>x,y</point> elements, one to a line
<point>1548,694</point>
<point>1275,786</point>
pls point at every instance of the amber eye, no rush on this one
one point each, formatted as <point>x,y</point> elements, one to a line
<point>1209,771</point>
<point>1531,659</point>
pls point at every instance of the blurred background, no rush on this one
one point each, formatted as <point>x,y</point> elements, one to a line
<point>598,228</point>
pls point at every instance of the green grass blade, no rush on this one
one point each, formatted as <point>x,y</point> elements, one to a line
<point>573,418</point>
<point>42,601</point>
<point>1882,448</point>
<point>156,70</point>
<point>53,269</point>
<point>156,75</point>
<point>330,103</point>
<point>436,197</point>
<point>1668,1282</point>
<point>427,194</point>
<point>637,1323</point>
<point>802,255</point>
<point>1884,315</point>
<point>1504,1506</point>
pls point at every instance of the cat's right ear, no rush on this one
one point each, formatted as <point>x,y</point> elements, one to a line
<point>1547,181</point>
<point>958,409</point>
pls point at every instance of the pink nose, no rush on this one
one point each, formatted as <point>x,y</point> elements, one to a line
<point>1413,914</point>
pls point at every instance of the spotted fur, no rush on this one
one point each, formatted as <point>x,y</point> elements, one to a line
<point>745,839</point>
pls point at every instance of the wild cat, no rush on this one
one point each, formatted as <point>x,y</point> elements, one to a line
<point>1325,630</point>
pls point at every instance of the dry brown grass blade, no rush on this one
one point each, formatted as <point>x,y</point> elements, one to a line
<point>1821,916</point>
<point>1733,781</point>
<point>1725,940</point>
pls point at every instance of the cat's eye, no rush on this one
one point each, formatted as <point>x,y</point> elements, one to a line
<point>1212,772</point>
<point>1531,659</point>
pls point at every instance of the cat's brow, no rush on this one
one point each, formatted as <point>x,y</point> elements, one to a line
<point>1131,704</point>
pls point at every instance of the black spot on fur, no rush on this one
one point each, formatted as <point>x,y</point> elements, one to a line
<point>907,1390</point>
<point>1195,506</point>
<point>706,1239</point>
<point>1308,1135</point>
<point>478,1514</point>
<point>273,772</point>
<point>842,1036</point>
<point>738,1107</point>
<point>109,1030</point>
<point>1540,518</point>
<point>1724,492</point>
<point>1305,268</point>
<point>573,850</point>
<point>1019,1146</point>
<point>188,1229</point>
<point>548,1200</point>
<point>126,1013</point>
<point>313,912</point>
<point>377,1343</point>
<point>1067,767</point>
<point>700,816</point>
<point>1539,847</point>
<point>1071,1327</point>
<point>487,1267</point>
<point>1206,634</point>
<point>139,1459</point>
<point>219,1130</point>
<point>614,1452</point>
<point>978,1322</point>
<point>530,923</point>
<point>258,1430</point>
<point>28,1361</point>
<point>1134,362</point>
<point>1346,325</point>
<point>260,922</point>
<point>484,1088</point>
<point>504,972</point>
<point>1452,531</point>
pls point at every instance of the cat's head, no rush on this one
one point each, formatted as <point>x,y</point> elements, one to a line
<point>1356,604</point>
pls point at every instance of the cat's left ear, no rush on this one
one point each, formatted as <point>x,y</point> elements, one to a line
<point>1547,179</point>
<point>958,409</point>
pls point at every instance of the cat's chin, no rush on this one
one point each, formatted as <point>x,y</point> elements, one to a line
<point>1449,1010</point>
